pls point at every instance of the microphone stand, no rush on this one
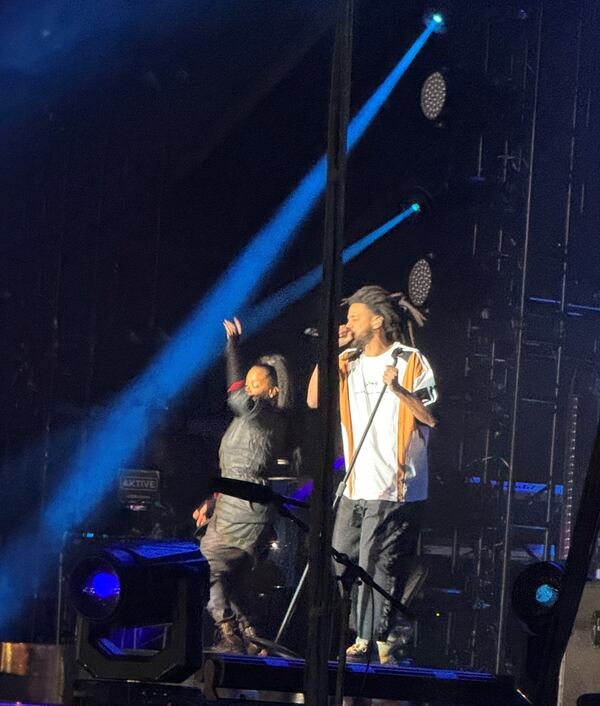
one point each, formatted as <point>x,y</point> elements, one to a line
<point>336,501</point>
<point>352,573</point>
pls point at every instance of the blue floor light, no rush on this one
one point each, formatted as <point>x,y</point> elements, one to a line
<point>139,609</point>
<point>99,589</point>
<point>546,595</point>
<point>535,592</point>
<point>103,585</point>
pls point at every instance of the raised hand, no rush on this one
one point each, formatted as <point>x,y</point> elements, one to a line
<point>345,335</point>
<point>233,329</point>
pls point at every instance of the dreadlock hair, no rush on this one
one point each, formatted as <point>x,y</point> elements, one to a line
<point>381,303</point>
<point>276,367</point>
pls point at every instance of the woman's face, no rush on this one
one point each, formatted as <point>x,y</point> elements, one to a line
<point>259,384</point>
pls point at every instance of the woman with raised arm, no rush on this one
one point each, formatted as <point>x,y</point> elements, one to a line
<point>237,531</point>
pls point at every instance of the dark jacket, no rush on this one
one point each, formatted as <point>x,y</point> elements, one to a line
<point>255,439</point>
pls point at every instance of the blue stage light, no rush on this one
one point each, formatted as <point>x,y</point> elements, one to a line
<point>361,245</point>
<point>103,585</point>
<point>535,593</point>
<point>95,588</point>
<point>365,116</point>
<point>436,21</point>
<point>139,609</point>
<point>546,595</point>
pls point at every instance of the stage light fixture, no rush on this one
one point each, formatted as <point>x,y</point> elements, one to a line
<point>535,593</point>
<point>546,595</point>
<point>433,95</point>
<point>436,20</point>
<point>139,608</point>
<point>419,282</point>
<point>96,588</point>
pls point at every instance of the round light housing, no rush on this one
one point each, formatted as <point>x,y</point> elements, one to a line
<point>95,589</point>
<point>546,595</point>
<point>433,95</point>
<point>419,282</point>
<point>535,593</point>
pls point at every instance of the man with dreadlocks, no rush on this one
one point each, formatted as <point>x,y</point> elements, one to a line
<point>377,520</point>
<point>237,531</point>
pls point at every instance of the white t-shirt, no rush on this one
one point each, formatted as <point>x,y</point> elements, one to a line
<point>375,475</point>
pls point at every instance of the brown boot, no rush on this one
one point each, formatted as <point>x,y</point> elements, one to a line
<point>248,634</point>
<point>230,641</point>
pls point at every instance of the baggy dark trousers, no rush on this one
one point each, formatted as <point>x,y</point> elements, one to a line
<point>381,536</point>
<point>229,569</point>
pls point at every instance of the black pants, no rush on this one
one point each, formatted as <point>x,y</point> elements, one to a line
<point>229,569</point>
<point>381,536</point>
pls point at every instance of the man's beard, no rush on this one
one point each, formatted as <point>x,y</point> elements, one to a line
<point>361,342</point>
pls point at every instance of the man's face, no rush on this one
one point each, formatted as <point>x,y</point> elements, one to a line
<point>363,323</point>
<point>259,384</point>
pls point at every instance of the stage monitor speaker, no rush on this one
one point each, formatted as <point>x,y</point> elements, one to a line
<point>579,682</point>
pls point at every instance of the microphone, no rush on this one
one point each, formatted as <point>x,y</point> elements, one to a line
<point>252,492</point>
<point>311,331</point>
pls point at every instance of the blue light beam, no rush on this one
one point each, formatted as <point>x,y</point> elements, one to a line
<point>184,359</point>
<point>270,307</point>
<point>370,109</point>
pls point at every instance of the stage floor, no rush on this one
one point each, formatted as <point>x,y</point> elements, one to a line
<point>232,679</point>
<point>401,683</point>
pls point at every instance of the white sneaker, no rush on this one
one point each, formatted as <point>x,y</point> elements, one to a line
<point>359,651</point>
<point>387,651</point>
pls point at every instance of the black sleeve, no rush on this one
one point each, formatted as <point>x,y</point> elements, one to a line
<point>233,365</point>
<point>241,404</point>
<point>424,394</point>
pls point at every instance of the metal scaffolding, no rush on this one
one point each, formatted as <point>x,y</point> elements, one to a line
<point>524,338</point>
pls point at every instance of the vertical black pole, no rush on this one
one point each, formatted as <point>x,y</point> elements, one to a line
<point>316,672</point>
<point>587,522</point>
<point>583,545</point>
